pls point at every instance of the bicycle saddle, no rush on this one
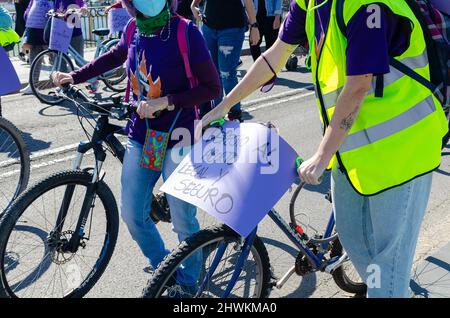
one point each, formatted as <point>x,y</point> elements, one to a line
<point>101,32</point>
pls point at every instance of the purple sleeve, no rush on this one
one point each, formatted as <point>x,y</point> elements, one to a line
<point>293,30</point>
<point>25,15</point>
<point>81,3</point>
<point>204,70</point>
<point>106,62</point>
<point>363,56</point>
<point>208,87</point>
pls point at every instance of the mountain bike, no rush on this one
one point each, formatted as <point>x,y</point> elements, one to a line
<point>239,267</point>
<point>50,61</point>
<point>14,163</point>
<point>57,238</point>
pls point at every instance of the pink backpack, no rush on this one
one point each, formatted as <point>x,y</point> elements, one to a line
<point>183,45</point>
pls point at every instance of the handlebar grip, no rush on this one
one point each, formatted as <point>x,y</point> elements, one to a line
<point>298,163</point>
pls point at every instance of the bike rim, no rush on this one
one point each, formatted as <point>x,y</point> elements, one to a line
<point>12,169</point>
<point>209,250</point>
<point>43,68</point>
<point>32,268</point>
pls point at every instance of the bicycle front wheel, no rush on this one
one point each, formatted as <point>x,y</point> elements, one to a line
<point>14,164</point>
<point>36,257</point>
<point>188,271</point>
<point>43,67</point>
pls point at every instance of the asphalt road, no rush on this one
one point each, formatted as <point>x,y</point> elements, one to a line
<point>55,127</point>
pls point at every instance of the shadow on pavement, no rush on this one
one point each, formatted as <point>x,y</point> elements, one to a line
<point>34,144</point>
<point>308,283</point>
<point>432,279</point>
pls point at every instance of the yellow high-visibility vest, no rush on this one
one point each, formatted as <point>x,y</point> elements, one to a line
<point>396,137</point>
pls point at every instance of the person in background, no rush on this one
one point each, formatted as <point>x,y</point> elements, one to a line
<point>382,142</point>
<point>36,19</point>
<point>20,6</point>
<point>224,27</point>
<point>62,6</point>
<point>8,37</point>
<point>268,16</point>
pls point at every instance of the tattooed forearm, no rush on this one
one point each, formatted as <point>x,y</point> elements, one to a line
<point>348,121</point>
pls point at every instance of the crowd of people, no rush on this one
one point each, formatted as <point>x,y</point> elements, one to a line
<point>383,130</point>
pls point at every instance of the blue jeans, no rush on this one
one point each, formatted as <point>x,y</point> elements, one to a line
<point>380,232</point>
<point>137,187</point>
<point>225,47</point>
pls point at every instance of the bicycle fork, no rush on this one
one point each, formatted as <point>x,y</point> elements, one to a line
<point>74,243</point>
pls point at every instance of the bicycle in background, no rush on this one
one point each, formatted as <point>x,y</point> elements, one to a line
<point>50,61</point>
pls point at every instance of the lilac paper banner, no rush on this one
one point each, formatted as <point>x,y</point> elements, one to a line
<point>37,17</point>
<point>118,19</point>
<point>60,36</point>
<point>9,82</point>
<point>240,183</point>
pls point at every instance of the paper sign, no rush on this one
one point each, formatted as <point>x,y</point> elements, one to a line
<point>237,174</point>
<point>9,82</point>
<point>37,17</point>
<point>442,5</point>
<point>118,19</point>
<point>60,36</point>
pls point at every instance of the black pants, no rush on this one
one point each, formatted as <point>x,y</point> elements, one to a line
<point>20,22</point>
<point>270,35</point>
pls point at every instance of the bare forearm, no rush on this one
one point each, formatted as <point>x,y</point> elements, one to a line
<point>195,3</point>
<point>260,73</point>
<point>346,111</point>
<point>250,8</point>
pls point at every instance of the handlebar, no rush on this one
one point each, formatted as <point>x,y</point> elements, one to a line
<point>78,95</point>
<point>62,15</point>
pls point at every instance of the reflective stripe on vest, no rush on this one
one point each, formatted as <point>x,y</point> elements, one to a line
<point>414,62</point>
<point>394,125</point>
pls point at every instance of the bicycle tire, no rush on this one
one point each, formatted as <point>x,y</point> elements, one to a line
<point>13,214</point>
<point>341,278</point>
<point>165,270</point>
<point>42,98</point>
<point>24,154</point>
<point>112,83</point>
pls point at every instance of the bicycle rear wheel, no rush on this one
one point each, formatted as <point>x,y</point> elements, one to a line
<point>14,164</point>
<point>34,259</point>
<point>43,67</point>
<point>170,278</point>
<point>346,276</point>
<point>447,136</point>
<point>114,79</point>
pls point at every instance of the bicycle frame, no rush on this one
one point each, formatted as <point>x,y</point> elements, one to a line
<point>104,133</point>
<point>316,260</point>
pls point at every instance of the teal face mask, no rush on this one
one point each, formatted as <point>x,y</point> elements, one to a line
<point>150,8</point>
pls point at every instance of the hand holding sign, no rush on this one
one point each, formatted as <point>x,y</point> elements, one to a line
<point>118,19</point>
<point>236,174</point>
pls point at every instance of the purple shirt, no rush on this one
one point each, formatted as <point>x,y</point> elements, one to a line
<point>162,73</point>
<point>368,49</point>
<point>63,5</point>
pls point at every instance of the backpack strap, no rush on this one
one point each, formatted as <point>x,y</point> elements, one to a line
<point>183,44</point>
<point>392,61</point>
<point>130,30</point>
